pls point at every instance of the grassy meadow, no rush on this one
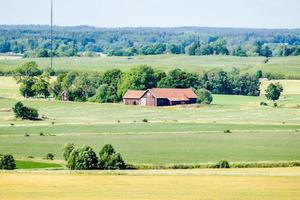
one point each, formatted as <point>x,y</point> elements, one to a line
<point>288,66</point>
<point>173,135</point>
<point>249,184</point>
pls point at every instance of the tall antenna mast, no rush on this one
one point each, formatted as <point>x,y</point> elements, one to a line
<point>51,33</point>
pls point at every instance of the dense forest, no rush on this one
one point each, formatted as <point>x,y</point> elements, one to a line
<point>34,41</point>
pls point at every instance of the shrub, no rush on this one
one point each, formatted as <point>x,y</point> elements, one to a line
<point>50,156</point>
<point>262,103</point>
<point>42,134</point>
<point>227,131</point>
<point>7,162</point>
<point>222,164</point>
<point>82,158</point>
<point>204,96</point>
<point>109,159</point>
<point>145,120</point>
<point>27,135</point>
<point>67,149</point>
<point>24,112</point>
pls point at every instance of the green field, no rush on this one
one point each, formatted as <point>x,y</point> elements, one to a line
<point>174,135</point>
<point>289,66</point>
<point>28,164</point>
<point>228,184</point>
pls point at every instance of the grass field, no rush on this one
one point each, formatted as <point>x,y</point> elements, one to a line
<point>28,164</point>
<point>249,184</point>
<point>173,135</point>
<point>289,66</point>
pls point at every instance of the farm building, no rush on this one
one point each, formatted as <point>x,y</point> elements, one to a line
<point>160,97</point>
<point>64,96</point>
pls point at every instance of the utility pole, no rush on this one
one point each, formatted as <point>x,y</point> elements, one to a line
<point>51,34</point>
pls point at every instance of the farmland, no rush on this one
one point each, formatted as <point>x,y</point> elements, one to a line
<point>280,183</point>
<point>288,66</point>
<point>258,133</point>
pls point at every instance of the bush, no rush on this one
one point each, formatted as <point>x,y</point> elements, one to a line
<point>222,164</point>
<point>227,131</point>
<point>204,96</point>
<point>67,149</point>
<point>109,159</point>
<point>50,156</point>
<point>145,120</point>
<point>7,162</point>
<point>275,105</point>
<point>262,103</point>
<point>82,158</point>
<point>24,112</point>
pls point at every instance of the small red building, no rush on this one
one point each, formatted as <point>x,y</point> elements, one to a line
<point>64,96</point>
<point>133,97</point>
<point>160,97</point>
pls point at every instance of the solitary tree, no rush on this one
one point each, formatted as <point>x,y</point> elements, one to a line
<point>273,91</point>
<point>7,162</point>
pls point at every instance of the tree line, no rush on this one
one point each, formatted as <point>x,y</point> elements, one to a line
<point>34,41</point>
<point>111,85</point>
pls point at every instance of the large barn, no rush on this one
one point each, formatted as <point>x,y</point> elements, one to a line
<point>160,97</point>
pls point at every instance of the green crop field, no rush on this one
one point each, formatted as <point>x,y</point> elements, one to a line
<point>228,184</point>
<point>28,164</point>
<point>288,66</point>
<point>173,135</point>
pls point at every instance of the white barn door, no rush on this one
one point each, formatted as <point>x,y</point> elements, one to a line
<point>143,102</point>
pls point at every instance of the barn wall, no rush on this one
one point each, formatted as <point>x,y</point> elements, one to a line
<point>150,99</point>
<point>132,101</point>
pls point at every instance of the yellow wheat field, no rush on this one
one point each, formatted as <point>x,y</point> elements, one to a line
<point>157,185</point>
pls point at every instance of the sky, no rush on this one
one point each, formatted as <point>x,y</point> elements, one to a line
<point>155,13</point>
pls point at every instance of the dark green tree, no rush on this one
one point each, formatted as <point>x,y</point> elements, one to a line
<point>204,96</point>
<point>7,162</point>
<point>82,158</point>
<point>41,86</point>
<point>273,91</point>
<point>26,88</point>
<point>27,69</point>
<point>178,78</point>
<point>109,159</point>
<point>138,78</point>
<point>24,112</point>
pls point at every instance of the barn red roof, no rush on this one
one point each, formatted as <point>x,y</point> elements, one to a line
<point>134,94</point>
<point>173,94</point>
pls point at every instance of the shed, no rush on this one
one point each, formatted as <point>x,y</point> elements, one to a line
<point>133,97</point>
<point>64,96</point>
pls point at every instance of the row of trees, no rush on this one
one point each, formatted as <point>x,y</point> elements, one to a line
<point>111,85</point>
<point>84,158</point>
<point>218,47</point>
<point>34,41</point>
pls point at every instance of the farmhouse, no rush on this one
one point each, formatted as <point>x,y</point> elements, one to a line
<point>160,97</point>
